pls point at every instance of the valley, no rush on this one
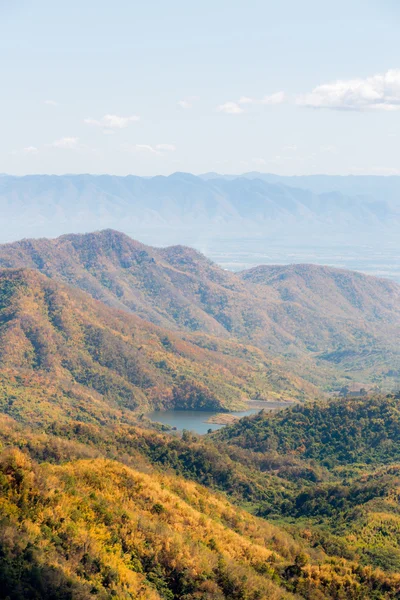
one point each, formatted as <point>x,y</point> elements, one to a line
<point>199,300</point>
<point>139,457</point>
<point>378,260</point>
<point>238,221</point>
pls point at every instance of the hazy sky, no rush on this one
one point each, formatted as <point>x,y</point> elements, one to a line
<point>154,87</point>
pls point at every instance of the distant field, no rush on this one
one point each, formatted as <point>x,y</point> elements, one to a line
<point>243,254</point>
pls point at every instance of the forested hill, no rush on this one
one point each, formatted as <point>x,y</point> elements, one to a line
<point>324,321</point>
<point>339,432</point>
<point>328,308</point>
<point>116,360</point>
<point>161,285</point>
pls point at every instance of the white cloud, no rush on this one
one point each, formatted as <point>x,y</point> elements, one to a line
<point>30,150</point>
<point>159,149</point>
<point>113,121</point>
<point>166,147</point>
<point>230,108</point>
<point>51,102</point>
<point>277,98</point>
<point>259,162</point>
<point>146,147</point>
<point>184,104</point>
<point>246,100</point>
<point>187,102</point>
<point>379,92</point>
<point>66,143</point>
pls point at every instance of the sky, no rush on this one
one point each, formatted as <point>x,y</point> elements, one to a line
<point>156,87</point>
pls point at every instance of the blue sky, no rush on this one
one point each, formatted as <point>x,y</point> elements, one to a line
<point>151,88</point>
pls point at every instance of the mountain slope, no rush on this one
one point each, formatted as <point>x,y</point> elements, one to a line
<point>159,285</point>
<point>87,525</point>
<point>327,323</point>
<point>354,511</point>
<point>96,527</point>
<point>386,188</point>
<point>63,336</point>
<point>343,317</point>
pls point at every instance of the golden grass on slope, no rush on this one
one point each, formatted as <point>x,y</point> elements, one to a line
<point>137,532</point>
<point>97,526</point>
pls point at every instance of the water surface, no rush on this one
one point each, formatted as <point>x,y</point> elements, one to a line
<point>192,420</point>
<point>195,420</point>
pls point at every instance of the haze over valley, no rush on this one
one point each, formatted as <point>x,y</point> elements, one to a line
<point>349,222</point>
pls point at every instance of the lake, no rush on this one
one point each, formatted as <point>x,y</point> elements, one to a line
<point>195,420</point>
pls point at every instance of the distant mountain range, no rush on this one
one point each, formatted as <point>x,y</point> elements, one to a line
<point>326,325</point>
<point>183,208</point>
<point>384,188</point>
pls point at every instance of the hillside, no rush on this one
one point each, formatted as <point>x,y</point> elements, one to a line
<point>85,526</point>
<point>326,324</point>
<point>314,470</point>
<point>339,432</point>
<point>353,510</point>
<point>345,318</point>
<point>159,285</point>
<point>57,338</point>
<point>96,527</point>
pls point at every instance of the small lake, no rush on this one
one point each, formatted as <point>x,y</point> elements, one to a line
<point>195,420</point>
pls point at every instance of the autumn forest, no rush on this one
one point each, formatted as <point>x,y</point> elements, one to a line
<point>99,501</point>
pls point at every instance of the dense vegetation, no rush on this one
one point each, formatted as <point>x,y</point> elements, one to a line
<point>328,325</point>
<point>96,528</point>
<point>342,458</point>
<point>339,432</point>
<point>346,516</point>
<point>81,525</point>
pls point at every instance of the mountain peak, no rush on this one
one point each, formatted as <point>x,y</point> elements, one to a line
<point>321,319</point>
<point>102,235</point>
